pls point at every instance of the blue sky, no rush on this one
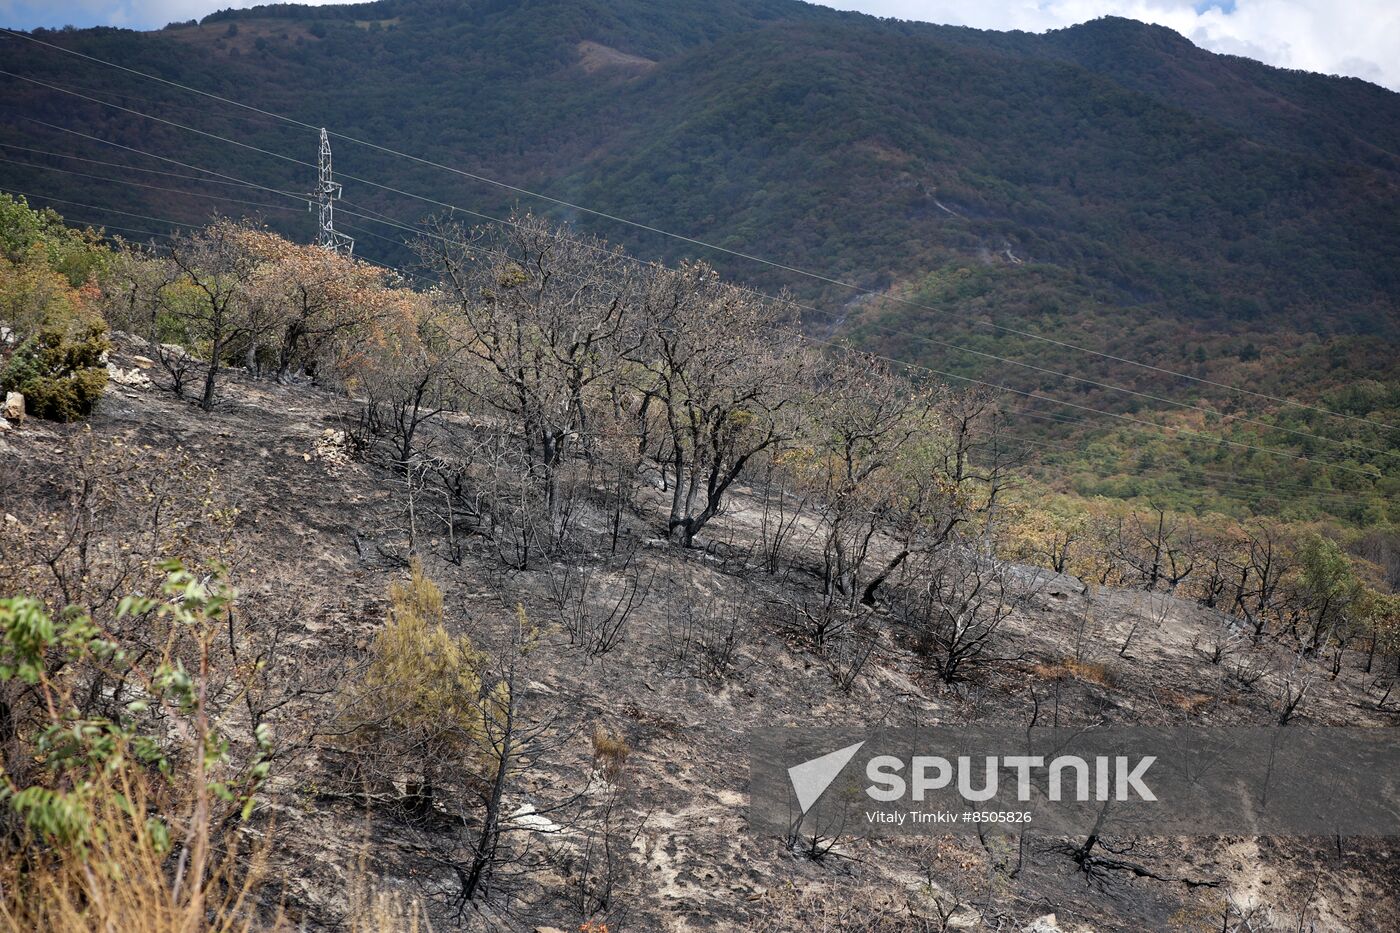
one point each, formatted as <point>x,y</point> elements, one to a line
<point>1360,38</point>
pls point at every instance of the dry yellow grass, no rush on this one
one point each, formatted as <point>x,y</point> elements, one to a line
<point>1189,702</point>
<point>1072,669</point>
<point>125,877</point>
<point>610,752</point>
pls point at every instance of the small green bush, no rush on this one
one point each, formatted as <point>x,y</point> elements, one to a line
<point>422,685</point>
<point>59,370</point>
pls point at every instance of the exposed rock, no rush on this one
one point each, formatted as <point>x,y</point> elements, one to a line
<point>525,816</point>
<point>1045,924</point>
<point>332,446</point>
<point>128,377</point>
<point>14,407</point>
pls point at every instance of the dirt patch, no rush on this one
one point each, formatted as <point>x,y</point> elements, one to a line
<point>594,57</point>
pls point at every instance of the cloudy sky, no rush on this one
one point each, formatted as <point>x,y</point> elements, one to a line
<point>1349,37</point>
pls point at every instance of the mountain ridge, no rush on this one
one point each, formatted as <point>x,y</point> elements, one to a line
<point>764,54</point>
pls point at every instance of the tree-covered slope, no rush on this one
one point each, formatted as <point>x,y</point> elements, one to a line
<point>1189,183</point>
<point>1110,184</point>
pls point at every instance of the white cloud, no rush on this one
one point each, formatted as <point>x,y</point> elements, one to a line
<point>1359,38</point>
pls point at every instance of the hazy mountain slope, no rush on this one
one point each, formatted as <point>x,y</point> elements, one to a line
<point>824,139</point>
<point>1338,118</point>
<point>844,153</point>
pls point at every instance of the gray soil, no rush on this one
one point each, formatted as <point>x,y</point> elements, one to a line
<point>338,528</point>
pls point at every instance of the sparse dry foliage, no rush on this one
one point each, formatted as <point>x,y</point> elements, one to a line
<point>593,614</point>
<point>867,427</point>
<point>957,610</point>
<point>234,292</point>
<point>547,316</point>
<point>707,638</point>
<point>719,383</point>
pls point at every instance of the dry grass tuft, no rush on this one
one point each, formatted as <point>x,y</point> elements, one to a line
<point>1189,702</point>
<point>384,912</point>
<point>610,751</point>
<point>1071,669</point>
<point>127,876</point>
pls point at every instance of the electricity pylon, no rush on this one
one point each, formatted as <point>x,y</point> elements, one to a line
<point>327,193</point>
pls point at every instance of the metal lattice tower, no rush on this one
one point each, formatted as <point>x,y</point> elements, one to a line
<point>327,193</point>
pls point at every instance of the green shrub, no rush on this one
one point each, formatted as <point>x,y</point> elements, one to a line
<point>421,688</point>
<point>56,338</point>
<point>59,369</point>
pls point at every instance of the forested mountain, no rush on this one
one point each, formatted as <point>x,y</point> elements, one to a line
<point>1110,185</point>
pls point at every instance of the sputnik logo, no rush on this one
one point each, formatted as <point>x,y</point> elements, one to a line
<point>811,778</point>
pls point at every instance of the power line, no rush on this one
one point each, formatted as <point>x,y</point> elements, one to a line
<point>151,77</point>
<point>137,184</point>
<point>403,273</point>
<point>1138,421</point>
<point>1109,386</point>
<point>354,178</point>
<point>214,136</point>
<point>109,210</point>
<point>108,142</point>
<point>1061,418</point>
<point>324,133</point>
<point>106,226</point>
<point>223,180</point>
<point>1233,479</point>
<point>138,113</point>
<point>1181,431</point>
<point>1240,483</point>
<point>1084,380</point>
<point>125,95</point>
<point>1034,395</point>
<point>687,239</point>
<point>385,219</point>
<point>1236,478</point>
<point>137,168</point>
<point>1244,486</point>
<point>419,231</point>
